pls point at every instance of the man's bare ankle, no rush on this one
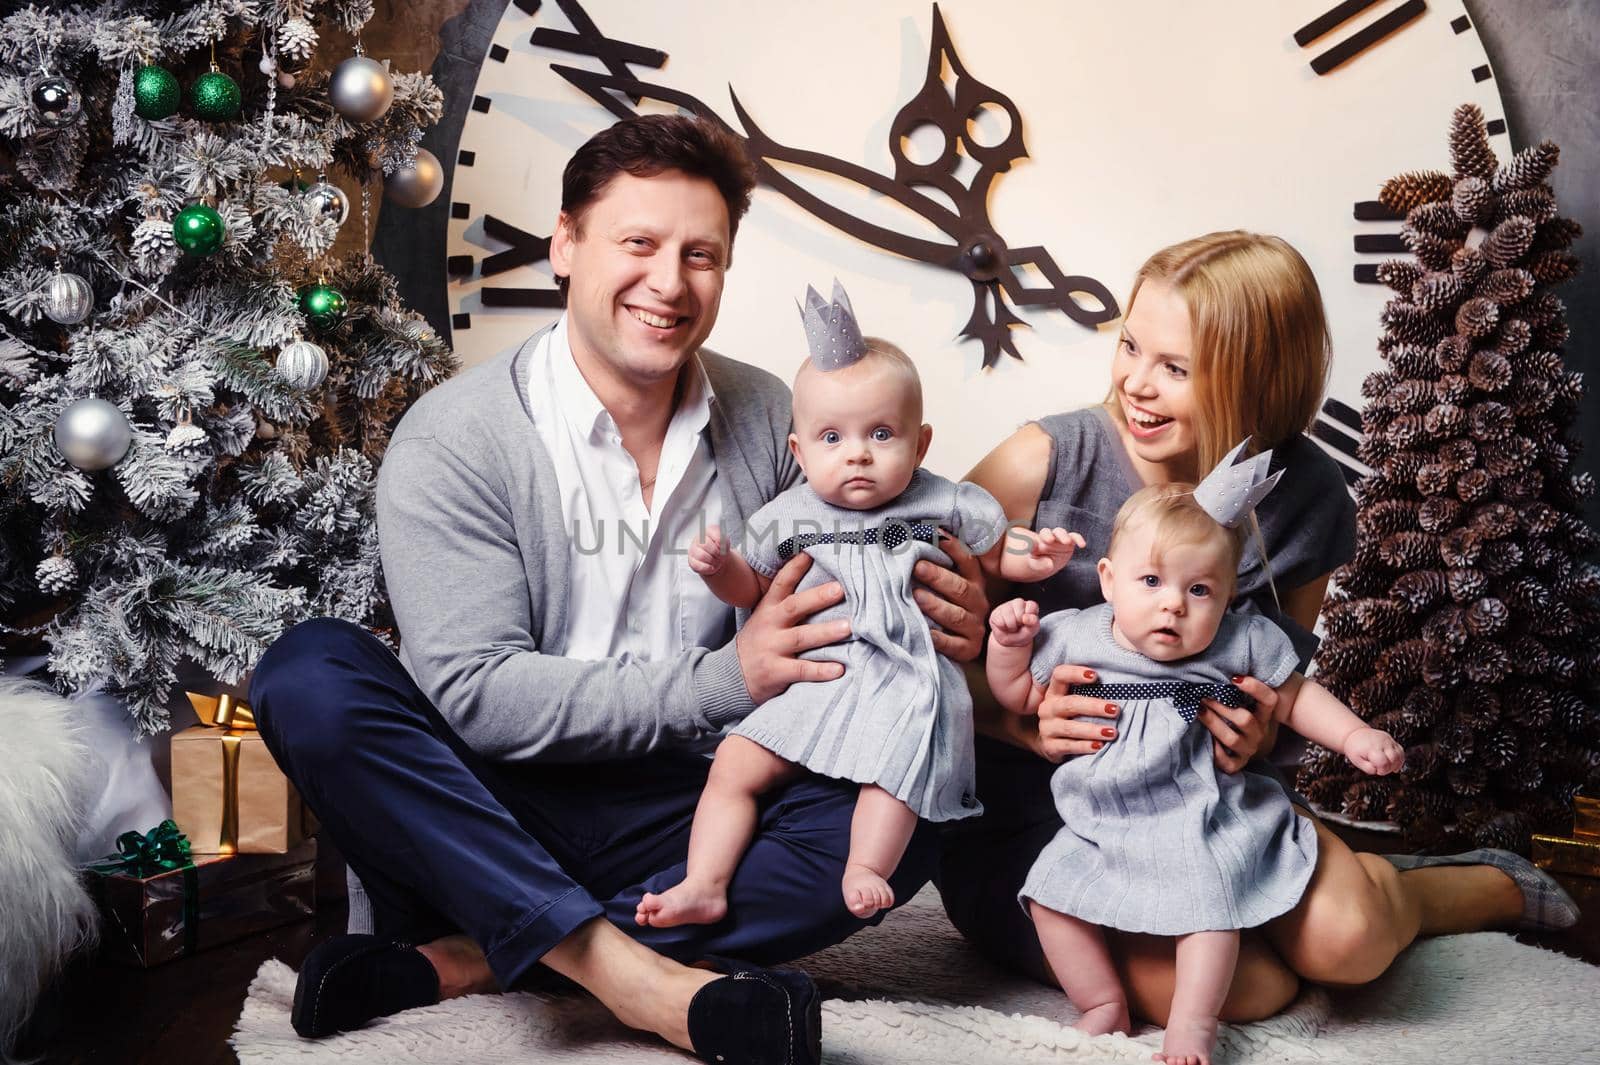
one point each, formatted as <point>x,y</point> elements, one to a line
<point>460,965</point>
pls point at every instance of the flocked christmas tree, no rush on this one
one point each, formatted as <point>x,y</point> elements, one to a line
<point>193,394</point>
<point>1468,622</point>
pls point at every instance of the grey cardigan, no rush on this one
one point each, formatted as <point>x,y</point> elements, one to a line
<point>476,556</point>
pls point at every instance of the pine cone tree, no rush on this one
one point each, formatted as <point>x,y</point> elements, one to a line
<point>1403,193</point>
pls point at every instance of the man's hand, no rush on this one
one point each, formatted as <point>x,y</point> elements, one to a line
<point>1374,751</point>
<point>1239,733</point>
<point>953,600</point>
<point>709,553</point>
<point>770,643</point>
<point>1073,724</point>
<point>1015,623</point>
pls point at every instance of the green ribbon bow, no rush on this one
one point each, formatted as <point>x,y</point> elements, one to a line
<point>162,850</point>
<point>141,855</point>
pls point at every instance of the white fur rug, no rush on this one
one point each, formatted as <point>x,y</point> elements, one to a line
<point>912,992</point>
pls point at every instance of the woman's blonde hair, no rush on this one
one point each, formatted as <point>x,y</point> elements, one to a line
<point>1261,348</point>
<point>1170,508</point>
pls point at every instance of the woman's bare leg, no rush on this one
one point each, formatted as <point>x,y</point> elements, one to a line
<point>1262,984</point>
<point>724,823</point>
<point>879,831</point>
<point>1359,912</point>
<point>1076,951</point>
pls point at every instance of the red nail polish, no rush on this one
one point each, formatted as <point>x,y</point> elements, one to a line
<point>1111,708</point>
<point>1237,679</point>
<point>1097,745</point>
<point>1108,733</point>
<point>1090,674</point>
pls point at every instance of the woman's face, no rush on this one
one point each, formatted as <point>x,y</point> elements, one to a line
<point>1152,378</point>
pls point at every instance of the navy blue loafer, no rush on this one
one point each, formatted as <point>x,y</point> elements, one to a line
<point>756,1016</point>
<point>351,979</point>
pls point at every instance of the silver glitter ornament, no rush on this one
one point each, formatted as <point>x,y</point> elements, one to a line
<point>93,434</point>
<point>68,299</point>
<point>361,89</point>
<point>303,364</point>
<point>56,101</point>
<point>417,185</point>
<point>327,200</point>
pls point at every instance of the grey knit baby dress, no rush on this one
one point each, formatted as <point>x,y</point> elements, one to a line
<point>901,716</point>
<point>1157,839</point>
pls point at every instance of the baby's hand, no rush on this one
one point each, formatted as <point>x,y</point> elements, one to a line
<point>1374,751</point>
<point>1015,624</point>
<point>1050,550</point>
<point>709,554</point>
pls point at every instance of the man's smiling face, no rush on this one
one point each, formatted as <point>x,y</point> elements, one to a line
<point>645,266</point>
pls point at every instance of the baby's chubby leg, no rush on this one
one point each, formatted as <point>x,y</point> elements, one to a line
<point>879,832</point>
<point>724,823</point>
<point>1205,969</point>
<point>1076,951</point>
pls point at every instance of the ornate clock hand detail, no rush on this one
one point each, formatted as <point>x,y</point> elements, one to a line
<point>975,250</point>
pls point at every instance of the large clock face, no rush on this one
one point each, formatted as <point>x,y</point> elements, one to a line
<point>1063,143</point>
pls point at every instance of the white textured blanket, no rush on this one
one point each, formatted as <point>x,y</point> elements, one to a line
<point>912,991</point>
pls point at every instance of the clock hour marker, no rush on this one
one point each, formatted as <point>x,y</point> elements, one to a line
<point>1481,73</point>
<point>498,53</point>
<point>461,321</point>
<point>527,7</point>
<point>1495,126</point>
<point>525,247</point>
<point>588,40</point>
<point>520,297</point>
<point>1381,244</point>
<point>1461,25</point>
<point>480,104</point>
<point>459,265</point>
<point>461,210</point>
<point>1359,41</point>
<point>1333,428</point>
<point>466,158</point>
<point>1374,211</point>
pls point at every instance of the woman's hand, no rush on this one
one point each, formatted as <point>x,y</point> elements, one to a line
<point>1238,734</point>
<point>1073,724</point>
<point>953,600</point>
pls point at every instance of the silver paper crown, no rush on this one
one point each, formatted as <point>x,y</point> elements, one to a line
<point>831,329</point>
<point>1230,492</point>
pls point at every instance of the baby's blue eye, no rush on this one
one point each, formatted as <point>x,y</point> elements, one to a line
<point>830,437</point>
<point>1151,580</point>
<point>1200,591</point>
<point>882,434</point>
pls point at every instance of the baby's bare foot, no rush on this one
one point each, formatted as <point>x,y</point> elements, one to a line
<point>1104,1019</point>
<point>1189,1041</point>
<point>865,892</point>
<point>688,903</point>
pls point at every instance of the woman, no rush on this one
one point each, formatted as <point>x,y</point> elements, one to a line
<point>1224,338</point>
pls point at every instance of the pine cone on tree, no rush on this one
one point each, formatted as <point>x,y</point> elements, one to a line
<point>1465,620</point>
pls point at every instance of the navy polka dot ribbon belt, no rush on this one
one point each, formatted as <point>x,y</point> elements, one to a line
<point>890,535</point>
<point>1185,695</point>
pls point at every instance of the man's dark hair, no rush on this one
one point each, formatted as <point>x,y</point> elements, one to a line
<point>651,144</point>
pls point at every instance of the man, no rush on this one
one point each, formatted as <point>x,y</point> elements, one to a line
<point>508,796</point>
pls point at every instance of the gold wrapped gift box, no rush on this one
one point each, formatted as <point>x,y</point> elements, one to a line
<point>228,795</point>
<point>1579,853</point>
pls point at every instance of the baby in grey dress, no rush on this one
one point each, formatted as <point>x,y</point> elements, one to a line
<point>1155,839</point>
<point>898,721</point>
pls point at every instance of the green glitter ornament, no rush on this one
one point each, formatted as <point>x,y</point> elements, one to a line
<point>156,94</point>
<point>215,97</point>
<point>323,305</point>
<point>198,229</point>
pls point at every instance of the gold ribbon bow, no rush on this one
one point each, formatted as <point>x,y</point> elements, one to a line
<point>225,712</point>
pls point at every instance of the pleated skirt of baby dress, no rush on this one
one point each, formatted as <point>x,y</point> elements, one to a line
<point>1156,839</point>
<point>901,716</point>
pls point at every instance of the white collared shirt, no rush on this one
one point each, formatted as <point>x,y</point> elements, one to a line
<point>633,592</point>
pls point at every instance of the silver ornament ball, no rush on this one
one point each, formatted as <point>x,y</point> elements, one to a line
<point>56,101</point>
<point>361,89</point>
<point>68,299</point>
<point>303,364</point>
<point>93,434</point>
<point>417,185</point>
<point>326,200</point>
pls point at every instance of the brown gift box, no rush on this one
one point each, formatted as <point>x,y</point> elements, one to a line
<point>1578,853</point>
<point>155,919</point>
<point>228,795</point>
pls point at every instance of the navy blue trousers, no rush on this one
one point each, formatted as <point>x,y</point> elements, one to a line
<point>518,856</point>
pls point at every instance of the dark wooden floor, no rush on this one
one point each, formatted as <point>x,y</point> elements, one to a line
<point>184,1012</point>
